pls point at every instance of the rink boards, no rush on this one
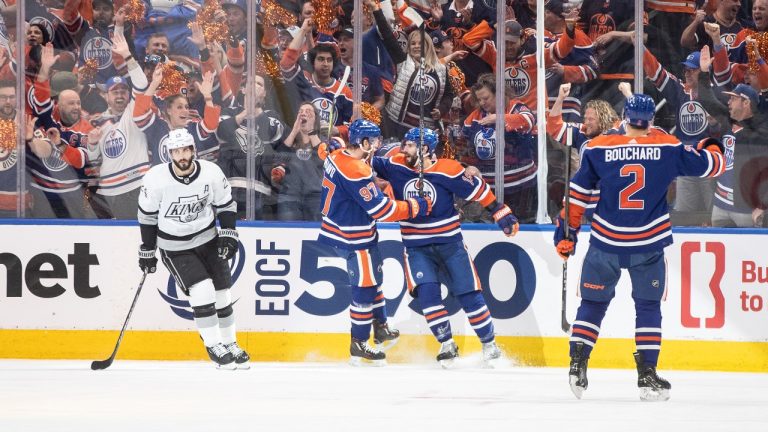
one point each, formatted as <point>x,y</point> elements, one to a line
<point>69,286</point>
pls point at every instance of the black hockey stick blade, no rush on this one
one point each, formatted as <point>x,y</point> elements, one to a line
<point>103,364</point>
<point>564,324</point>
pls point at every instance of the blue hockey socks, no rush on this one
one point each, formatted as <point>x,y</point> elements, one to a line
<point>586,327</point>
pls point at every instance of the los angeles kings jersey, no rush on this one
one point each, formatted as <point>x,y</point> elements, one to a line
<point>184,208</point>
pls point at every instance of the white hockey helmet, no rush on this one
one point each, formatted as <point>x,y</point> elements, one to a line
<point>179,138</point>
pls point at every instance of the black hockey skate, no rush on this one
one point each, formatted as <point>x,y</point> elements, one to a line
<point>383,336</point>
<point>577,375</point>
<point>221,356</point>
<point>448,353</point>
<point>241,357</point>
<point>362,354</point>
<point>491,354</point>
<point>652,387</point>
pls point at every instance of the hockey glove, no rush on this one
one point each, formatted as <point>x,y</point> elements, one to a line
<point>147,260</point>
<point>227,243</point>
<point>711,144</point>
<point>420,206</point>
<point>503,216</point>
<point>565,248</point>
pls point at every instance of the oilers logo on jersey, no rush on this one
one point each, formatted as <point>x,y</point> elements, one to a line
<point>162,149</point>
<point>114,144</point>
<point>729,141</point>
<point>518,80</point>
<point>54,162</point>
<point>411,190</point>
<point>485,144</point>
<point>7,159</point>
<point>429,88</point>
<point>99,49</point>
<point>693,118</point>
<point>187,208</point>
<point>325,107</point>
<point>600,24</point>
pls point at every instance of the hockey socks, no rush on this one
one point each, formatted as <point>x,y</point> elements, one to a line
<point>434,312</point>
<point>226,316</point>
<point>586,327</point>
<point>361,312</point>
<point>202,298</point>
<point>380,306</point>
<point>648,330</point>
<point>478,315</point>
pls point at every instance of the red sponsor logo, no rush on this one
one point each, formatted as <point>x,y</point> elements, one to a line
<point>686,251</point>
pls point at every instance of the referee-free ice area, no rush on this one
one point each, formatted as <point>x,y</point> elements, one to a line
<point>43,396</point>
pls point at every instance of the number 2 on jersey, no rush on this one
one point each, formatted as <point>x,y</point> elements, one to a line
<point>331,188</point>
<point>637,172</point>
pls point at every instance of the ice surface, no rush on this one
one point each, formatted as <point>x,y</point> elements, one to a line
<point>193,396</point>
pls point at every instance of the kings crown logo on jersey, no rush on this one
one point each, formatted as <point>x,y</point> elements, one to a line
<point>114,144</point>
<point>429,88</point>
<point>693,118</point>
<point>411,190</point>
<point>517,80</point>
<point>187,209</point>
<point>99,49</point>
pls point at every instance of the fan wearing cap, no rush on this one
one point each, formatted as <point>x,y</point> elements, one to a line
<point>520,65</point>
<point>738,200</point>
<point>372,90</point>
<point>726,73</point>
<point>693,195</point>
<point>319,86</point>
<point>176,114</point>
<point>118,143</point>
<point>95,40</point>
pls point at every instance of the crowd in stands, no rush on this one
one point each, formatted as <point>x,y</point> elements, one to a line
<point>103,89</point>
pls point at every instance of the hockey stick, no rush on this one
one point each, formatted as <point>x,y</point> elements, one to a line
<point>335,95</point>
<point>568,142</point>
<point>422,91</point>
<point>103,364</point>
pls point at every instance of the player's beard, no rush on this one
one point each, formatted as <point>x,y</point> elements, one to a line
<point>183,165</point>
<point>412,160</point>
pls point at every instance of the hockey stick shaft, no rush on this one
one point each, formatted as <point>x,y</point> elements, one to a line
<point>335,95</point>
<point>422,95</point>
<point>564,301</point>
<point>103,364</point>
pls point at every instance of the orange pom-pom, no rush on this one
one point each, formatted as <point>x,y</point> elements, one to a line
<point>266,65</point>
<point>325,16</point>
<point>370,113</point>
<point>213,30</point>
<point>173,80</point>
<point>762,48</point>
<point>273,14</point>
<point>7,135</point>
<point>88,71</point>
<point>134,11</point>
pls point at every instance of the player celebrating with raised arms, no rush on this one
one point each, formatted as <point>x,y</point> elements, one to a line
<point>179,203</point>
<point>630,230</point>
<point>434,247</point>
<point>351,203</point>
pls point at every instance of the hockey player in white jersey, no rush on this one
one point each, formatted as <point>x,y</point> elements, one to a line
<point>179,203</point>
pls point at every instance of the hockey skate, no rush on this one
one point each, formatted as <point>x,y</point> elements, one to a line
<point>383,336</point>
<point>241,357</point>
<point>652,387</point>
<point>221,356</point>
<point>362,354</point>
<point>577,375</point>
<point>448,353</point>
<point>491,354</point>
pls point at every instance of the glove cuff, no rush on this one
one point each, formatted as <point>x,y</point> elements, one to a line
<point>228,232</point>
<point>500,211</point>
<point>146,253</point>
<point>414,204</point>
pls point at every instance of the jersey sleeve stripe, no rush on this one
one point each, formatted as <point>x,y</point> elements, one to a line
<point>387,208</point>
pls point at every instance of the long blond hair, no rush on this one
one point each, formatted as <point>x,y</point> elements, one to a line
<point>430,55</point>
<point>606,115</point>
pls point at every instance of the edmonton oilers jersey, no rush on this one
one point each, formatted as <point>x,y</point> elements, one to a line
<point>725,183</point>
<point>442,181</point>
<point>96,46</point>
<point>691,118</point>
<point>519,149</point>
<point>633,174</point>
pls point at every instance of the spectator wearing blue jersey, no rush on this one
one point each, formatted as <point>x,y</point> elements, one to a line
<point>629,230</point>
